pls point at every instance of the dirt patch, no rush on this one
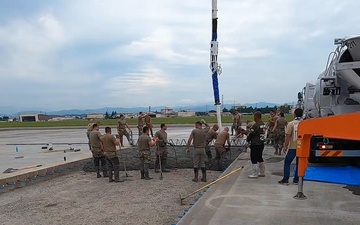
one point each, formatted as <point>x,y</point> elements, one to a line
<point>81,198</point>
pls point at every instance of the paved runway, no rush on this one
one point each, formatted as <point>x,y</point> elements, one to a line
<point>239,200</point>
<point>33,154</point>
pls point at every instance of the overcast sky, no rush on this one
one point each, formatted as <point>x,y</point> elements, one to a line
<point>64,54</point>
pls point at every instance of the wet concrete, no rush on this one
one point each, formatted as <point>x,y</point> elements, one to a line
<point>35,139</point>
<point>177,159</point>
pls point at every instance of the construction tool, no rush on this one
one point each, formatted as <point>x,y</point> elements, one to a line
<point>10,170</point>
<point>159,157</point>
<point>131,138</point>
<point>208,185</point>
<point>161,176</point>
<point>126,174</point>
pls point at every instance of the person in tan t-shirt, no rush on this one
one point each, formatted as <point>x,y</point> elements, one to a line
<point>148,123</point>
<point>270,125</point>
<point>290,147</point>
<point>198,138</point>
<point>110,143</point>
<point>221,151</point>
<point>88,131</point>
<point>97,150</point>
<point>161,149</point>
<point>121,128</point>
<point>211,135</point>
<point>279,133</point>
<point>144,145</point>
<point>141,122</point>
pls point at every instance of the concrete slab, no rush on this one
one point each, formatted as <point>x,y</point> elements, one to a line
<point>240,200</point>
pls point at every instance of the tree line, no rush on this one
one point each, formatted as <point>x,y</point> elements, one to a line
<point>250,110</point>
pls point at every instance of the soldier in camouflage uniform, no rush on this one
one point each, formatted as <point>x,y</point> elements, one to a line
<point>112,160</point>
<point>197,137</point>
<point>121,128</point>
<point>221,151</point>
<point>279,133</point>
<point>97,150</point>
<point>89,129</point>
<point>161,149</point>
<point>270,126</point>
<point>238,117</point>
<point>211,135</point>
<point>234,123</point>
<point>141,122</point>
<point>148,123</point>
<point>144,145</point>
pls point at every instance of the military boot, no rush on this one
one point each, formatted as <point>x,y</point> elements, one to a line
<point>147,176</point>
<point>111,176</point>
<point>157,165</point>
<point>196,175</point>
<point>117,175</point>
<point>163,166</point>
<point>146,172</point>
<point>97,169</point>
<point>105,173</point>
<point>203,170</point>
<point>142,174</point>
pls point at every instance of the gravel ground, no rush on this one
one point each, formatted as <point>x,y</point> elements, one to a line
<point>81,198</point>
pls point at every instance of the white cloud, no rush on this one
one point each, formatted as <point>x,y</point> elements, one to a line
<point>158,53</point>
<point>138,83</point>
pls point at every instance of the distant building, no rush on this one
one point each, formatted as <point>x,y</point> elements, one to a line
<point>167,111</point>
<point>160,115</point>
<point>186,113</point>
<point>35,117</point>
<point>29,117</point>
<point>94,116</point>
<point>236,107</point>
<point>213,113</point>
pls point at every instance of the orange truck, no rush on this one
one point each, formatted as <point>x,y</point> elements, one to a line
<point>336,92</point>
<point>330,127</point>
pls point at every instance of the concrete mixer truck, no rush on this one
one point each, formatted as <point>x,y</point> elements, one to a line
<point>336,92</point>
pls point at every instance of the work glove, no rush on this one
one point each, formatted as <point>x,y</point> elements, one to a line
<point>202,121</point>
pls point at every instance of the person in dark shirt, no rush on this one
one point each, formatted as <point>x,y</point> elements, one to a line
<point>256,137</point>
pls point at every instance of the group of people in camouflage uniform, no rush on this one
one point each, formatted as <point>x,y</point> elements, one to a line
<point>200,138</point>
<point>104,147</point>
<point>276,130</point>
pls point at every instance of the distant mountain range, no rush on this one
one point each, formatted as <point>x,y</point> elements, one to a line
<point>13,111</point>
